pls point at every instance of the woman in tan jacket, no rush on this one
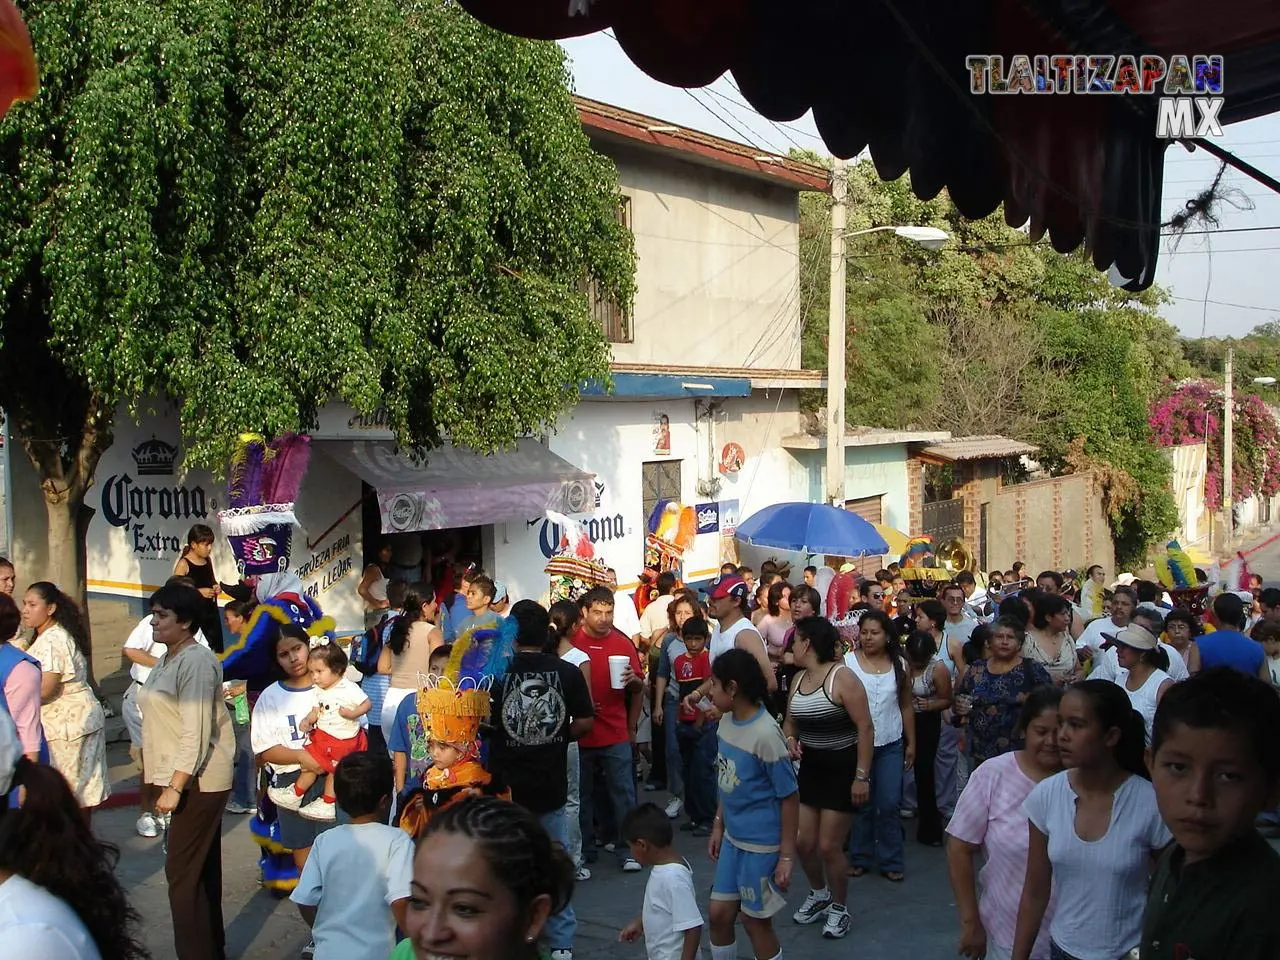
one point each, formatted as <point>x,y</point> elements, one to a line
<point>190,749</point>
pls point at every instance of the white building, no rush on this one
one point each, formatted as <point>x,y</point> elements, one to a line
<point>706,375</point>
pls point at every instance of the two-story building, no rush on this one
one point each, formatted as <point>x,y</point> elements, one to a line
<point>706,379</point>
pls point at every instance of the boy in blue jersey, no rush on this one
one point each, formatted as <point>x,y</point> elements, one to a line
<point>753,840</point>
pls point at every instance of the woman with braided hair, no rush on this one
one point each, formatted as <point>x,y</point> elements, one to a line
<point>486,877</point>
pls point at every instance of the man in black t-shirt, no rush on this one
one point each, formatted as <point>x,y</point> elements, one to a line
<point>541,704</point>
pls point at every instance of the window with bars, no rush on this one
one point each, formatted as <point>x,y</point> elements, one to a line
<point>613,319</point>
<point>659,480</point>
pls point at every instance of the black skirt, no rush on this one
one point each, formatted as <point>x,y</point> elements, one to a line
<point>826,778</point>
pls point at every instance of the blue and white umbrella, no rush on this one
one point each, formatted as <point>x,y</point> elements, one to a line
<point>813,528</point>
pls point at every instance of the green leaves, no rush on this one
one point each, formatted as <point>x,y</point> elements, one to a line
<point>258,207</point>
<point>993,334</point>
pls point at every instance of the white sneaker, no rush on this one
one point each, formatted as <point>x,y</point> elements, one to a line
<point>610,847</point>
<point>582,874</point>
<point>673,808</point>
<point>561,955</point>
<point>309,951</point>
<point>286,798</point>
<point>814,906</point>
<point>147,826</point>
<point>631,866</point>
<point>317,809</point>
<point>837,924</point>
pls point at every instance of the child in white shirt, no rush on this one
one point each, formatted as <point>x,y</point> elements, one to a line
<point>354,889</point>
<point>670,921</point>
<point>333,725</point>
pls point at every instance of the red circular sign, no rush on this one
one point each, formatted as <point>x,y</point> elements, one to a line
<point>732,458</point>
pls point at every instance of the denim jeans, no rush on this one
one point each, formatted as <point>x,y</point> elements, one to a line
<point>698,747</point>
<point>876,840</point>
<point>244,781</point>
<point>561,926</point>
<point>573,807</point>
<point>619,798</point>
<point>675,778</point>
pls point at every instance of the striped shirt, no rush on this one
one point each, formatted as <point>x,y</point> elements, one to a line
<point>820,722</point>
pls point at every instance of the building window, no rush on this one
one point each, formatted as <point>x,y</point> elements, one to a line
<point>660,480</point>
<point>613,319</point>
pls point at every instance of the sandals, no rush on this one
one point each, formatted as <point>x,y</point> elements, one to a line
<point>893,876</point>
<point>856,872</point>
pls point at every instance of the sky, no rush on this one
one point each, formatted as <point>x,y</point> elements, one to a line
<point>1236,269</point>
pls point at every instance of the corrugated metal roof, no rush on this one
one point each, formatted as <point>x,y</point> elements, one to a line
<point>986,447</point>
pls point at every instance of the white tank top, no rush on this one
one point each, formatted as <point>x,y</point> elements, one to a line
<point>727,638</point>
<point>882,697</point>
<point>1144,698</point>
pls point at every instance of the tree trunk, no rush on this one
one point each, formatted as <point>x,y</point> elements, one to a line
<point>65,467</point>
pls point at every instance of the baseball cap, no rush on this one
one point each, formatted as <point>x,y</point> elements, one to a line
<point>729,585</point>
<point>1139,638</point>
<point>10,751</point>
<point>499,591</point>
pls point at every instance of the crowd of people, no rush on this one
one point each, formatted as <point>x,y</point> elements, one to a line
<point>1100,784</point>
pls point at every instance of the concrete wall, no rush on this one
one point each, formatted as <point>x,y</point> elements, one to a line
<point>1189,463</point>
<point>718,272</point>
<point>870,471</point>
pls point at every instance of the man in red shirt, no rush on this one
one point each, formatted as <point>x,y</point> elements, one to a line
<point>608,747</point>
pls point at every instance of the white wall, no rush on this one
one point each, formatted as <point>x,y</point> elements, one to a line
<point>136,536</point>
<point>613,439</point>
<point>718,258</point>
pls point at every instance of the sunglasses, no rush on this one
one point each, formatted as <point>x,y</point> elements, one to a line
<point>876,596</point>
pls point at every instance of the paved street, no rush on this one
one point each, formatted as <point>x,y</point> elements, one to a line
<point>890,921</point>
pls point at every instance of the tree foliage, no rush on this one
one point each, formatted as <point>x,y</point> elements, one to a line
<point>257,207</point>
<point>993,334</point>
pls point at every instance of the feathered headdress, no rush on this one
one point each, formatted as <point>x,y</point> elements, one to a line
<point>482,653</point>
<point>455,709</point>
<point>261,491</point>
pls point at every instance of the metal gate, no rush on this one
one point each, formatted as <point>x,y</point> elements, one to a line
<point>943,520</point>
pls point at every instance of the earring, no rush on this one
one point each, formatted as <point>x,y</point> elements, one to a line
<point>529,940</point>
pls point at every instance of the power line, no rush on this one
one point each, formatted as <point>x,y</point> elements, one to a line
<point>1224,303</point>
<point>729,101</point>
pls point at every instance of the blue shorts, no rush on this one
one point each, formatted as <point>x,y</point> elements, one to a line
<point>746,877</point>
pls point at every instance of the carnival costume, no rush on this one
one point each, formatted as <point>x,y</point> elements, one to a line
<point>575,568</point>
<point>453,707</point>
<point>258,523</point>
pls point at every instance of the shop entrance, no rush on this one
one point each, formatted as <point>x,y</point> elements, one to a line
<point>433,556</point>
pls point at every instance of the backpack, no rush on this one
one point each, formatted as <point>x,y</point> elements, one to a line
<point>367,648</point>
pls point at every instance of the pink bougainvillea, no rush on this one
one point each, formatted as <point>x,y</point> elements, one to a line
<point>1193,413</point>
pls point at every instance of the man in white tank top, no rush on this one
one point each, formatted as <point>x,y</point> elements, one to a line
<point>728,605</point>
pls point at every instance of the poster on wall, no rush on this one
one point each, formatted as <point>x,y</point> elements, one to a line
<point>728,511</point>
<point>708,515</point>
<point>661,435</point>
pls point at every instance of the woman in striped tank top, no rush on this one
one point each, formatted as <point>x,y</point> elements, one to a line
<point>828,728</point>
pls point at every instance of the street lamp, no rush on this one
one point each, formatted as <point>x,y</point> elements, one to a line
<point>931,238</point>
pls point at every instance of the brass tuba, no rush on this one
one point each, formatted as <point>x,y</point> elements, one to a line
<point>955,555</point>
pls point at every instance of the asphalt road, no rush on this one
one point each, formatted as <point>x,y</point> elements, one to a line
<point>914,919</point>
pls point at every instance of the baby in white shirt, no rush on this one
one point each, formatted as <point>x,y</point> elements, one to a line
<point>333,724</point>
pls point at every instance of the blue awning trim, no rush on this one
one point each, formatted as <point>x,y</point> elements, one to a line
<point>658,386</point>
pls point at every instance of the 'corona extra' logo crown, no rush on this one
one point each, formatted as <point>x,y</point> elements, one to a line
<point>155,458</point>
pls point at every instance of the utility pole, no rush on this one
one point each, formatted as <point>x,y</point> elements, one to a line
<point>1228,415</point>
<point>836,337</point>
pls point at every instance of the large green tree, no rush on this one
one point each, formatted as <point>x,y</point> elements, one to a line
<point>256,207</point>
<point>994,334</point>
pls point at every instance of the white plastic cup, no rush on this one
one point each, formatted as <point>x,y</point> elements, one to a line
<point>617,666</point>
